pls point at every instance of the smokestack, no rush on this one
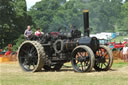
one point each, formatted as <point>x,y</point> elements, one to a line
<point>86,22</point>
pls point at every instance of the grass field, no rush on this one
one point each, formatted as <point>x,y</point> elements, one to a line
<point>11,74</point>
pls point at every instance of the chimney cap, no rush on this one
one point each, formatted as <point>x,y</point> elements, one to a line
<point>85,10</point>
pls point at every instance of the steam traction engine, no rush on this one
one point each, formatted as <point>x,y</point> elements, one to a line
<point>55,48</point>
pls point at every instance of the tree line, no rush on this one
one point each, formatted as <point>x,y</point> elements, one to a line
<point>49,15</point>
<point>105,15</point>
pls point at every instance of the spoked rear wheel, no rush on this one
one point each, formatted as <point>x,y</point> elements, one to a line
<point>31,56</point>
<point>104,59</point>
<point>82,59</point>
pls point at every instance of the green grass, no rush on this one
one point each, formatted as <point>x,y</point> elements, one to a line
<point>115,65</point>
<point>11,74</point>
<point>119,65</point>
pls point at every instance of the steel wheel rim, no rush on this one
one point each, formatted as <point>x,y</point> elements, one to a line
<point>104,58</point>
<point>81,59</point>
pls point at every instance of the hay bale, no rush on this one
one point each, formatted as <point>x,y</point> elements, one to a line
<point>4,59</point>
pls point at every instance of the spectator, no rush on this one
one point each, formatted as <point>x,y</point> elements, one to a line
<point>28,32</point>
<point>38,33</point>
<point>125,53</point>
<point>0,50</point>
<point>125,42</point>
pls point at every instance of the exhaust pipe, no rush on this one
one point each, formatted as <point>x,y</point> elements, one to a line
<point>86,22</point>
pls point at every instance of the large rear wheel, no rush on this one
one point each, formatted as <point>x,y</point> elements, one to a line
<point>82,59</point>
<point>31,56</point>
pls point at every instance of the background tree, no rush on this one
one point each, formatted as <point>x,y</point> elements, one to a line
<point>124,17</point>
<point>6,21</point>
<point>69,15</point>
<point>43,12</point>
<point>104,14</point>
<point>13,20</point>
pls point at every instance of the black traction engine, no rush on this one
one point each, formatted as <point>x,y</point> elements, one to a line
<point>54,49</point>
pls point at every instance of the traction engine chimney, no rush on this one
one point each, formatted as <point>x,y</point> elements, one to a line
<point>86,22</point>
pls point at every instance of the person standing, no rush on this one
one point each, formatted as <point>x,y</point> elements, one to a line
<point>125,53</point>
<point>28,32</point>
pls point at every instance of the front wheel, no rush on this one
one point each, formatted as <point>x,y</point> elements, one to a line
<point>82,59</point>
<point>103,59</point>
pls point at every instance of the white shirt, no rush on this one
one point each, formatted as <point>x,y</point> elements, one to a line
<point>125,50</point>
<point>27,33</point>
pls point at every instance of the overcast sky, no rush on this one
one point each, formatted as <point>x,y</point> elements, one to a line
<point>31,3</point>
